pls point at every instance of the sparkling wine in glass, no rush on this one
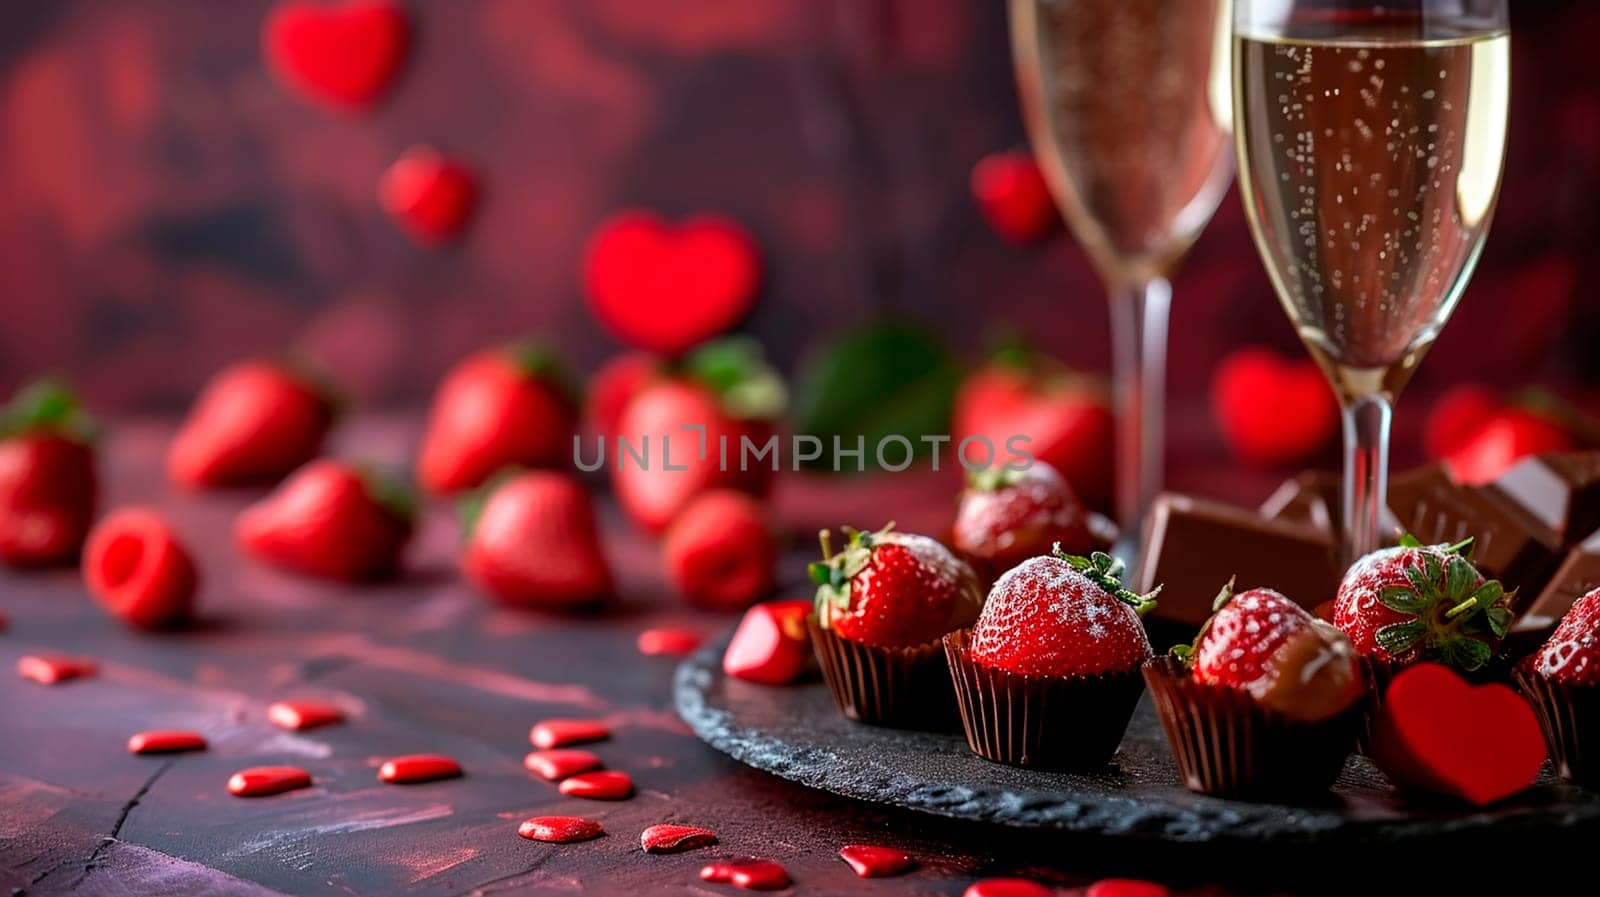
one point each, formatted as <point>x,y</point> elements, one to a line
<point>1127,107</point>
<point>1370,140</point>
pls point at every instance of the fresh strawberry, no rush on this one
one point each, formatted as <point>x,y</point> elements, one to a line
<point>47,479</point>
<point>330,519</point>
<point>531,541</point>
<point>893,590</point>
<point>1062,615</point>
<point>138,570</point>
<point>254,423</point>
<point>613,387</point>
<point>1066,418</point>
<point>1012,195</point>
<point>430,195</point>
<point>1272,411</point>
<point>724,387</point>
<point>720,552</point>
<point>771,645</point>
<point>1572,653</point>
<point>1273,649</point>
<point>1506,437</point>
<point>1007,516</point>
<point>1455,416</point>
<point>503,407</point>
<point>1422,602</point>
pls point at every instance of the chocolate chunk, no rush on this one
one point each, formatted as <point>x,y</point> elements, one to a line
<point>1193,546</point>
<point>1311,497</point>
<point>1558,493</point>
<point>1577,577</point>
<point>1509,545</point>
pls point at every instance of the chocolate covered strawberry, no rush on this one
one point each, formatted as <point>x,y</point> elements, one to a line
<point>47,478</point>
<point>1561,681</point>
<point>1007,516</point>
<point>254,423</point>
<point>330,519</point>
<point>503,407</point>
<point>531,541</point>
<point>893,589</point>
<point>1571,655</point>
<point>1419,602</point>
<point>686,433</point>
<point>1264,644</point>
<point>1062,615</point>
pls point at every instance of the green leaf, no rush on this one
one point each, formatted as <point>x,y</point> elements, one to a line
<point>1499,620</point>
<point>737,371</point>
<point>1490,593</point>
<point>1466,654</point>
<point>1182,652</point>
<point>1410,541</point>
<point>879,381</point>
<point>1459,578</point>
<point>1402,600</point>
<point>1421,582</point>
<point>821,574</point>
<point>1398,638</point>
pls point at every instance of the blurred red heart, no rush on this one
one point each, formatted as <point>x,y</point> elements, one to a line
<point>343,56</point>
<point>1272,411</point>
<point>1013,197</point>
<point>430,195</point>
<point>1437,733</point>
<point>666,287</point>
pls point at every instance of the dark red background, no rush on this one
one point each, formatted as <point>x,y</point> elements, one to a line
<point>167,207</point>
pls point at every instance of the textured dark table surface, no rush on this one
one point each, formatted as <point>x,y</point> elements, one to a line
<point>426,665</point>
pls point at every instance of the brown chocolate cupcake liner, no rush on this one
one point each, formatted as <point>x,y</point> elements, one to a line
<point>1228,745</point>
<point>1040,721</point>
<point>1378,675</point>
<point>1570,718</point>
<point>903,688</point>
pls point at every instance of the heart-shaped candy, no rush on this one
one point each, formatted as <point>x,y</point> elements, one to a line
<point>343,56</point>
<point>667,287</point>
<point>430,195</point>
<point>1437,733</point>
<point>1272,411</point>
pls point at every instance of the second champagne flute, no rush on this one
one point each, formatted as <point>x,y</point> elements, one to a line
<point>1127,106</point>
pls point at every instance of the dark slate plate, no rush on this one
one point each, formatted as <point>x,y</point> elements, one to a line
<point>797,733</point>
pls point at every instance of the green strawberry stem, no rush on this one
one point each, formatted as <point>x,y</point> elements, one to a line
<point>1105,571</point>
<point>832,574</point>
<point>47,406</point>
<point>1186,653</point>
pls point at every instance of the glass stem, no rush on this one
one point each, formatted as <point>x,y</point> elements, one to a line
<point>1366,473</point>
<point>1139,334</point>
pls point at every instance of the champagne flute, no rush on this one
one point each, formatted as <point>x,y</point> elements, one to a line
<point>1370,139</point>
<point>1127,106</point>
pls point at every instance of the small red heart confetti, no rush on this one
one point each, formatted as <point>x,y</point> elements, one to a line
<point>50,669</point>
<point>1272,411</point>
<point>1012,195</point>
<point>604,784</point>
<point>667,287</point>
<point>1437,733</point>
<point>1126,887</point>
<point>430,195</point>
<point>554,733</point>
<point>771,645</point>
<point>753,875</point>
<point>415,768</point>
<point>555,765</point>
<point>671,642</point>
<point>668,838</point>
<point>260,781</point>
<point>871,861</point>
<point>560,829</point>
<point>1007,887</point>
<point>297,716</point>
<point>343,57</point>
<point>166,742</point>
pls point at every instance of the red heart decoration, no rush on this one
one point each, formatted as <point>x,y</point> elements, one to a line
<point>1013,196</point>
<point>667,287</point>
<point>344,56</point>
<point>1272,411</point>
<point>430,195</point>
<point>1437,733</point>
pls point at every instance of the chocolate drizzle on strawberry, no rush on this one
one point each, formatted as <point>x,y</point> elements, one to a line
<point>1446,611</point>
<point>1106,571</point>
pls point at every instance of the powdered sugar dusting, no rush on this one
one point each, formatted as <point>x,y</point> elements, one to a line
<point>1572,655</point>
<point>1044,618</point>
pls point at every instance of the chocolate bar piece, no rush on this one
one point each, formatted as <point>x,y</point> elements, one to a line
<point>1193,546</point>
<point>1508,544</point>
<point>1311,497</point>
<point>1558,493</point>
<point>1577,577</point>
